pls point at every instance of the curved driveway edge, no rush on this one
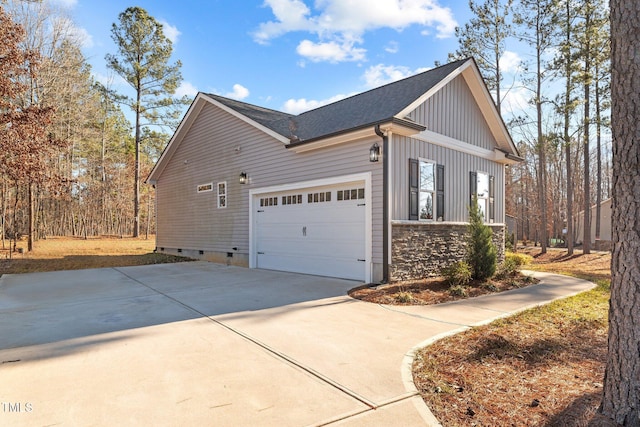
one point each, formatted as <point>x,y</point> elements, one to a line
<point>206,344</point>
<point>551,287</point>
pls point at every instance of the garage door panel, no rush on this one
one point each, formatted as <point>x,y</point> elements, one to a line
<point>313,265</point>
<point>312,247</point>
<point>325,237</point>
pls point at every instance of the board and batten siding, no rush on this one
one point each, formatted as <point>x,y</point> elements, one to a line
<point>453,111</point>
<point>216,148</point>
<point>457,166</point>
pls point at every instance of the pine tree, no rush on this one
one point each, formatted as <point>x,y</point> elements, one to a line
<point>481,252</point>
<point>142,60</point>
<point>484,38</point>
<point>621,390</point>
<point>536,18</point>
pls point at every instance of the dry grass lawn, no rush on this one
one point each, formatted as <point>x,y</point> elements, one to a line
<point>543,367</point>
<point>68,253</point>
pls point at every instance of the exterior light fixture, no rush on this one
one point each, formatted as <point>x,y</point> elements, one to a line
<point>243,177</point>
<point>374,152</point>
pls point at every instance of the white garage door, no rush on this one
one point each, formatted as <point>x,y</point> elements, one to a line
<point>319,230</point>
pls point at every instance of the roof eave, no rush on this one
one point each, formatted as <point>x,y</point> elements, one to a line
<point>393,124</point>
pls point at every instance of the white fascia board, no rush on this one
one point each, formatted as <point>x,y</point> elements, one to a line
<point>415,104</point>
<point>398,129</point>
<point>247,120</point>
<point>366,176</point>
<point>367,132</point>
<point>463,147</point>
<point>338,139</point>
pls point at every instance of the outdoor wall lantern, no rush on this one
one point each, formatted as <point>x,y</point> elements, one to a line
<point>243,177</point>
<point>374,152</point>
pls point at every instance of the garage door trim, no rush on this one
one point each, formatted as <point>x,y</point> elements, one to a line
<point>362,177</point>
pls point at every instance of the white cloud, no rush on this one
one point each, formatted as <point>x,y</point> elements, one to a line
<point>291,15</point>
<point>86,39</point>
<point>339,23</point>
<point>186,88</point>
<point>67,28</point>
<point>378,75</point>
<point>510,62</point>
<point>297,106</point>
<point>69,4</point>
<point>330,51</point>
<point>239,92</point>
<point>170,31</point>
<point>515,101</point>
<point>392,47</point>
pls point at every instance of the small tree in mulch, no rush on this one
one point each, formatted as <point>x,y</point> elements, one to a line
<point>482,255</point>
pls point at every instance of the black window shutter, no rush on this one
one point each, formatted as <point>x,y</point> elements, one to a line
<point>414,180</point>
<point>440,192</point>
<point>473,186</point>
<point>492,214</point>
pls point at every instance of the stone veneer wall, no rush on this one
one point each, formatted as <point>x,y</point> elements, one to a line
<point>420,249</point>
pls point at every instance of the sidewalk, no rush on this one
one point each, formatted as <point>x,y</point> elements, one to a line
<point>455,317</point>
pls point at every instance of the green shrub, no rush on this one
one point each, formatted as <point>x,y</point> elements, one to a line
<point>404,297</point>
<point>481,252</point>
<point>491,287</point>
<point>518,259</point>
<point>457,274</point>
<point>507,268</point>
<point>509,242</point>
<point>458,291</point>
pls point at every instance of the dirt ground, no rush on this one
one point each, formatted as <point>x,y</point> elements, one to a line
<point>543,367</point>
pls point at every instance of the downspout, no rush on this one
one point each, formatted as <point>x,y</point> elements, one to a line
<point>385,204</point>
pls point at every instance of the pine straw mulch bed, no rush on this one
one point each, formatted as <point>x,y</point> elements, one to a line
<point>542,367</point>
<point>434,291</point>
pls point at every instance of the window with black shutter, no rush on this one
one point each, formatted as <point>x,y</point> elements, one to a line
<point>426,190</point>
<point>482,186</point>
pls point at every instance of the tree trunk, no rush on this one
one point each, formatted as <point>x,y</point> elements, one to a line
<point>566,135</point>
<point>542,157</point>
<point>31,217</point>
<point>598,156</point>
<point>621,391</point>
<point>136,177</point>
<point>586,232</point>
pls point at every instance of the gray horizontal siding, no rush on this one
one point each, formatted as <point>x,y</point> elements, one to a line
<point>452,111</point>
<point>457,168</point>
<point>208,153</point>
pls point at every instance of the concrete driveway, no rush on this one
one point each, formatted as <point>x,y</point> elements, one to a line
<point>206,344</point>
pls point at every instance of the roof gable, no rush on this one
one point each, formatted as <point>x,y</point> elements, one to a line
<point>391,103</point>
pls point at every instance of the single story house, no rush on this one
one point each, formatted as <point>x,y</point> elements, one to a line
<point>375,187</point>
<point>603,242</point>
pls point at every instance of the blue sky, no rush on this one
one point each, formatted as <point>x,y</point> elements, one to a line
<point>289,55</point>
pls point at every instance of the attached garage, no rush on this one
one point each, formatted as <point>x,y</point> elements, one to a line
<point>320,227</point>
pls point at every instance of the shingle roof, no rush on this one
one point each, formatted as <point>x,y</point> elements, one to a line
<point>368,108</point>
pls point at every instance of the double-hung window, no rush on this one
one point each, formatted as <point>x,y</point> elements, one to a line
<point>222,194</point>
<point>426,188</point>
<point>482,187</point>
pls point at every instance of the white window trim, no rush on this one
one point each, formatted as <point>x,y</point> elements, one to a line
<point>484,199</point>
<point>220,195</point>
<point>435,186</point>
<point>200,187</point>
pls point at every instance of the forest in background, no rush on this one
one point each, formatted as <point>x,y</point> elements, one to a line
<point>74,171</point>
